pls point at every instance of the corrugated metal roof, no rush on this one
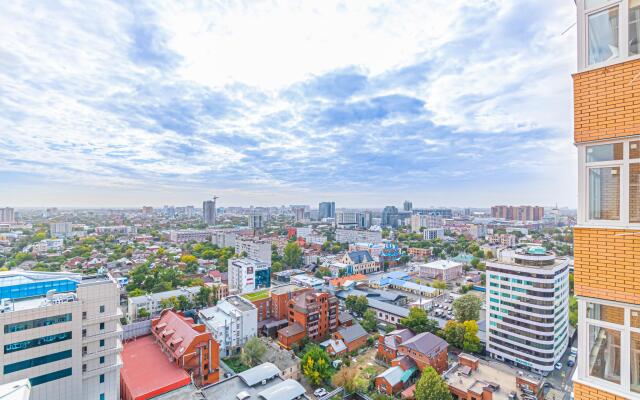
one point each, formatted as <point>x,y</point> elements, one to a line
<point>287,390</point>
<point>259,373</point>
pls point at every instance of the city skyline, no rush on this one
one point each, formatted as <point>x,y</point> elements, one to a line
<point>280,104</point>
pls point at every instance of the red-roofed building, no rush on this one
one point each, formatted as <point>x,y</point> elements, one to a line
<point>188,345</point>
<point>140,381</point>
<point>338,282</point>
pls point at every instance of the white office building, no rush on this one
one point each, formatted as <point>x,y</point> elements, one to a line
<point>528,308</point>
<point>232,322</point>
<point>60,229</point>
<point>62,332</point>
<point>419,221</point>
<point>188,235</point>
<point>253,247</point>
<point>117,229</point>
<point>247,275</point>
<point>224,237</point>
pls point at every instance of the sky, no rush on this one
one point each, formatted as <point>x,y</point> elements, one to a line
<point>365,103</point>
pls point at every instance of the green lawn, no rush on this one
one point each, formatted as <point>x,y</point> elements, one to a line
<point>261,295</point>
<point>236,365</point>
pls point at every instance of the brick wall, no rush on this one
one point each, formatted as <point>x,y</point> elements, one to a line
<point>607,264</point>
<point>584,392</point>
<point>606,103</point>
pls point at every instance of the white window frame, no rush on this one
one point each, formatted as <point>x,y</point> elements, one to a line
<point>623,34</point>
<point>582,374</point>
<point>583,184</point>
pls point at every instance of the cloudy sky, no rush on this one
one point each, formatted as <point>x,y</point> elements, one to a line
<point>366,103</point>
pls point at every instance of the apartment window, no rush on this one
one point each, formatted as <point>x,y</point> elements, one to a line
<point>101,326</point>
<point>101,396</point>
<point>101,378</point>
<point>611,183</point>
<point>37,323</point>
<point>84,315</point>
<point>102,360</point>
<point>101,342</point>
<point>604,353</point>
<point>634,27</point>
<point>635,362</point>
<point>34,362</point>
<point>101,309</point>
<point>41,341</point>
<point>603,36</point>
<point>39,380</point>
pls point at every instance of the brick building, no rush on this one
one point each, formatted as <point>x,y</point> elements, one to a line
<point>188,345</point>
<point>315,314</point>
<point>607,238</point>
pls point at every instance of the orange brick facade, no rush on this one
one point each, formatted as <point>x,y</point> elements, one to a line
<point>607,264</point>
<point>584,392</point>
<point>607,102</point>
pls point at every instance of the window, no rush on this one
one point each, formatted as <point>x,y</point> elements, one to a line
<point>41,341</point>
<point>37,323</point>
<point>101,378</point>
<point>611,181</point>
<point>603,36</point>
<point>606,313</point>
<point>34,362</point>
<point>604,193</point>
<point>101,342</point>
<point>604,353</point>
<point>102,360</point>
<point>101,396</point>
<point>634,27</point>
<point>101,326</point>
<point>635,362</point>
<point>101,309</point>
<point>84,315</point>
<point>38,380</point>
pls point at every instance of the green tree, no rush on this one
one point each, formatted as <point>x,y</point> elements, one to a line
<point>474,262</point>
<point>467,307</point>
<point>471,342</point>
<point>252,351</point>
<point>362,305</point>
<point>170,302</point>
<point>369,320</point>
<point>203,297</point>
<point>350,379</point>
<point>136,293</point>
<point>453,333</point>
<point>573,311</point>
<point>431,386</point>
<point>292,255</point>
<point>276,266</point>
<point>440,285</point>
<point>316,365</point>
<point>183,303</point>
<point>143,313</point>
<point>419,322</point>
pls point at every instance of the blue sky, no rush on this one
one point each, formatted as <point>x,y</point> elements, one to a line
<point>278,102</point>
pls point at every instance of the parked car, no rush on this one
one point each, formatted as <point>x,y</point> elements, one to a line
<point>319,392</point>
<point>558,366</point>
<point>571,361</point>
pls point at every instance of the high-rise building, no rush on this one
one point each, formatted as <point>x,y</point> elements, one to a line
<point>607,236</point>
<point>62,331</point>
<point>427,221</point>
<point>298,212</point>
<point>7,214</point>
<point>407,205</point>
<point>248,274</point>
<point>57,229</point>
<point>253,247</point>
<point>390,216</point>
<point>518,213</point>
<point>209,211</point>
<point>528,308</point>
<point>327,209</point>
<point>256,220</point>
<point>353,219</point>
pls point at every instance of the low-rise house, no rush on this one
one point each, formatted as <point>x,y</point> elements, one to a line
<point>426,349</point>
<point>362,262</point>
<point>354,337</point>
<point>445,270</point>
<point>397,378</point>
<point>388,344</point>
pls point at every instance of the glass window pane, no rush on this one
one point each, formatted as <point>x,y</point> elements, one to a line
<point>635,362</point>
<point>634,147</point>
<point>634,24</point>
<point>591,4</point>
<point>604,152</point>
<point>634,192</point>
<point>602,312</point>
<point>603,36</point>
<point>604,193</point>
<point>635,318</point>
<point>604,353</point>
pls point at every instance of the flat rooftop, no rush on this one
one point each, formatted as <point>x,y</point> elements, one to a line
<point>146,370</point>
<point>486,373</point>
<point>259,295</point>
<point>244,306</point>
<point>284,289</point>
<point>229,388</point>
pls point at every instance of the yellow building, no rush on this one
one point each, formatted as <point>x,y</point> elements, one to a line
<point>607,238</point>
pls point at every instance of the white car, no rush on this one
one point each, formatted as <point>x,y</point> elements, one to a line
<point>320,392</point>
<point>558,366</point>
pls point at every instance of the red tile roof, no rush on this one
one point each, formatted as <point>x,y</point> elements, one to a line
<point>176,331</point>
<point>142,382</point>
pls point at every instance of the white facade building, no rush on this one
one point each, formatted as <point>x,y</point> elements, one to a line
<point>445,270</point>
<point>528,308</point>
<point>60,228</point>
<point>62,331</point>
<point>419,221</point>
<point>433,233</point>
<point>188,235</point>
<point>232,322</point>
<point>247,275</point>
<point>151,302</point>
<point>254,248</point>
<point>121,229</point>
<point>356,236</point>
<point>47,245</point>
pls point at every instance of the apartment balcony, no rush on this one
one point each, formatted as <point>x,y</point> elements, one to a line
<point>103,335</point>
<point>103,369</point>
